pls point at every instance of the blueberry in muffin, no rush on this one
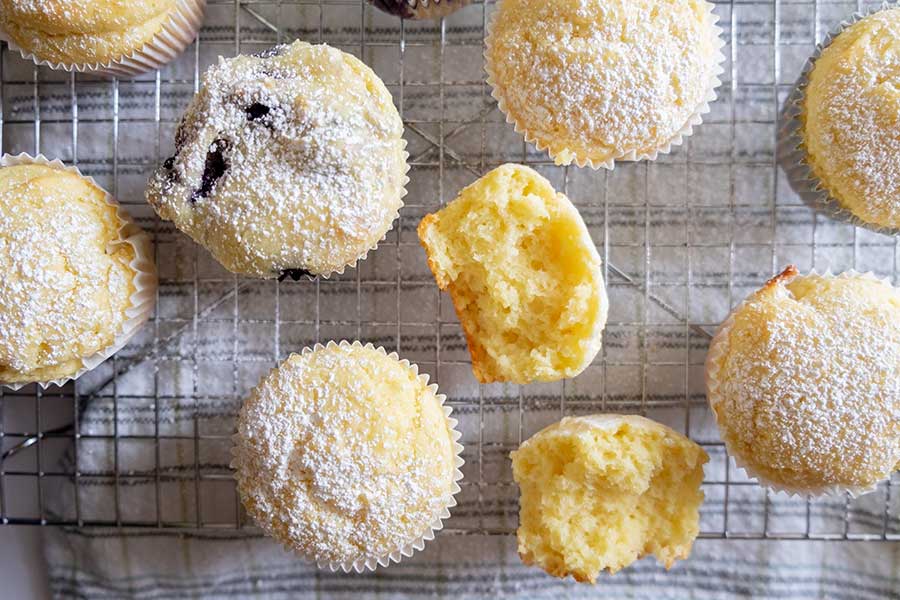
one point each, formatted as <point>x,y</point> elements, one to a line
<point>289,163</point>
<point>419,9</point>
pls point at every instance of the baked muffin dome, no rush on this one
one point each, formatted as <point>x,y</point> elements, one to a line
<point>83,31</point>
<point>599,80</point>
<point>292,160</point>
<point>346,455</point>
<point>601,491</point>
<point>804,379</point>
<point>524,275</point>
<point>851,119</point>
<point>67,276</point>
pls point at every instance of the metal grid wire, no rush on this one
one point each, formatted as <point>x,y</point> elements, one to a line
<point>683,239</point>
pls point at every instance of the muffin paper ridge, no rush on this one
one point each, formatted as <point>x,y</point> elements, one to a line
<point>143,300</point>
<point>630,156</point>
<point>370,563</point>
<point>178,32</point>
<point>715,352</point>
<point>792,147</point>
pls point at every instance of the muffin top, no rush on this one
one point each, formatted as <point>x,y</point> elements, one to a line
<point>344,453</point>
<point>597,80</point>
<point>805,382</point>
<point>67,276</point>
<point>851,114</point>
<point>524,274</point>
<point>292,160</point>
<point>634,480</point>
<point>83,31</point>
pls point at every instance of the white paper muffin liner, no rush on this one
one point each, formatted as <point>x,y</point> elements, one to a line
<point>676,140</point>
<point>370,563</point>
<point>143,300</point>
<point>718,346</point>
<point>176,35</point>
<point>792,148</point>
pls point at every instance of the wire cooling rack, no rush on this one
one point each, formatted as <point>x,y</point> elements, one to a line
<point>143,440</point>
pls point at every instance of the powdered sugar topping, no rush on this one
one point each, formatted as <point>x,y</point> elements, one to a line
<point>66,281</point>
<point>293,160</point>
<point>852,108</point>
<point>807,388</point>
<point>344,453</point>
<point>592,79</point>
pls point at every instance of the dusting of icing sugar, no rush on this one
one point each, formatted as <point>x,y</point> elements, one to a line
<point>852,114</point>
<point>808,387</point>
<point>344,453</point>
<point>596,79</point>
<point>83,31</point>
<point>81,16</point>
<point>314,162</point>
<point>66,284</point>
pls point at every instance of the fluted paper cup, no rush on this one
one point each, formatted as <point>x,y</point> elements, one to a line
<point>143,299</point>
<point>176,34</point>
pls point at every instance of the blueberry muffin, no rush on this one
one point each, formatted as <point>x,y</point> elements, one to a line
<point>290,162</point>
<point>347,456</point>
<point>77,32</point>
<point>419,9</point>
<point>68,274</point>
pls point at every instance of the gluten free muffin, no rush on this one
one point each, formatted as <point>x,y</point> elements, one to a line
<point>86,34</point>
<point>601,491</point>
<point>524,275</point>
<point>287,163</point>
<point>804,380</point>
<point>345,455</point>
<point>594,81</point>
<point>75,273</point>
<point>850,119</point>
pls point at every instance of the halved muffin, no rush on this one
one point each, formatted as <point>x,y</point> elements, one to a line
<point>524,275</point>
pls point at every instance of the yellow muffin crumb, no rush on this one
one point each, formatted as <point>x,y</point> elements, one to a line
<point>804,379</point>
<point>594,81</point>
<point>346,455</point>
<point>67,279</point>
<point>524,276</point>
<point>83,31</point>
<point>851,119</point>
<point>601,491</point>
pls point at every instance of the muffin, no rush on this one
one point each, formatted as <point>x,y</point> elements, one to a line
<point>804,380</point>
<point>345,455</point>
<point>125,37</point>
<point>601,491</point>
<point>419,9</point>
<point>850,126</point>
<point>524,275</point>
<point>597,81</point>
<point>76,273</point>
<point>291,161</point>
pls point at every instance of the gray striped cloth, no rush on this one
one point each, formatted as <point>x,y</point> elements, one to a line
<point>684,239</point>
